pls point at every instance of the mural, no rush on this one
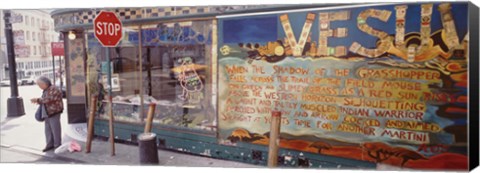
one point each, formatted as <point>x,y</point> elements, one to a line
<point>384,84</point>
<point>77,72</point>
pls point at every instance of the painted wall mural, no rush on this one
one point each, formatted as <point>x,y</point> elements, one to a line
<point>77,71</point>
<point>384,84</point>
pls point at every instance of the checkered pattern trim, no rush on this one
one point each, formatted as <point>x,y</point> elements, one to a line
<point>129,13</point>
<point>87,17</point>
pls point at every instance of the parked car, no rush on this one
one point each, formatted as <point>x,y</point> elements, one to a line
<point>63,87</point>
<point>29,80</point>
<point>6,82</point>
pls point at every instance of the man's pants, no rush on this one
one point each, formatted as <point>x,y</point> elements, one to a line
<point>53,131</point>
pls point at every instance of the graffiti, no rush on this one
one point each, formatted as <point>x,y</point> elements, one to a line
<point>321,146</point>
<point>378,151</point>
<point>382,152</point>
<point>369,88</point>
<point>440,148</point>
<point>406,155</point>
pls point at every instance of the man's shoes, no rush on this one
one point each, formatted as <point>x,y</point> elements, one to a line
<point>47,149</point>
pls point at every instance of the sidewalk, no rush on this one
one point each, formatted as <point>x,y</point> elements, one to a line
<point>25,134</point>
<point>128,155</point>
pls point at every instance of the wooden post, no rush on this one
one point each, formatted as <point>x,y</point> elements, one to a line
<point>274,139</point>
<point>110,126</point>
<point>91,120</point>
<point>151,113</point>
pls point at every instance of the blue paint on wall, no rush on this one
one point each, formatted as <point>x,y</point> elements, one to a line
<point>248,30</point>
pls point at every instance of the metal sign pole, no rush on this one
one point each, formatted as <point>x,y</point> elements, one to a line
<point>108,37</point>
<point>140,77</point>
<point>15,106</point>
<point>60,71</point>
<point>110,104</point>
<point>53,72</point>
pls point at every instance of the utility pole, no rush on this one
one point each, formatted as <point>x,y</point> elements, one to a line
<point>53,70</point>
<point>62,58</point>
<point>15,106</point>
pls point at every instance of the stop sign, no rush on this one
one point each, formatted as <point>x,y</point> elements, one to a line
<point>107,28</point>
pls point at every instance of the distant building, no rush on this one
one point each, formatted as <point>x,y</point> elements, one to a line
<point>33,33</point>
<point>3,51</point>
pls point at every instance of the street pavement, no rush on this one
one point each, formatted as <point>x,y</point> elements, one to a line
<point>8,155</point>
<point>27,92</point>
<point>21,155</point>
<point>24,130</point>
<point>22,139</point>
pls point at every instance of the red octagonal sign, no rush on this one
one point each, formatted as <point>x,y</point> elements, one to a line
<point>107,28</point>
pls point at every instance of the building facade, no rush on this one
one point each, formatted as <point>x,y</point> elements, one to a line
<point>3,47</point>
<point>357,86</point>
<point>33,33</point>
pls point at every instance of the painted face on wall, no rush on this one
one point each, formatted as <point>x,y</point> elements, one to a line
<point>401,11</point>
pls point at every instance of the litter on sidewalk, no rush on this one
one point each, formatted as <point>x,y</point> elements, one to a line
<point>71,146</point>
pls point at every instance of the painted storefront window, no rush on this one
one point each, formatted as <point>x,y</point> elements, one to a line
<point>169,68</point>
<point>177,55</point>
<point>125,75</point>
<point>384,84</point>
